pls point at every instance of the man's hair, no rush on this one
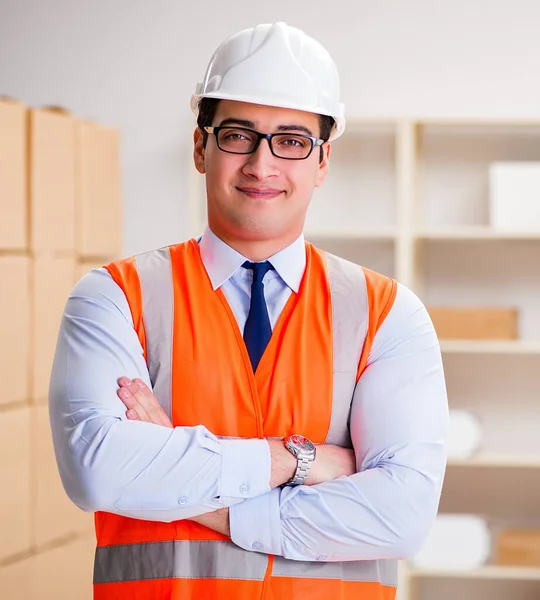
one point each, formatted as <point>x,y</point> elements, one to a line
<point>208,108</point>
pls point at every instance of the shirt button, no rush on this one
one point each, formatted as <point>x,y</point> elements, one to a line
<point>182,500</point>
<point>256,546</point>
<point>243,489</point>
<point>321,557</point>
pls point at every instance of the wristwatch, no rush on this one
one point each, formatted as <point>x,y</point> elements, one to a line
<point>305,451</point>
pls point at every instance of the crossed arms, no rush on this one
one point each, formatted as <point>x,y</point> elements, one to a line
<point>331,461</point>
<point>146,470</point>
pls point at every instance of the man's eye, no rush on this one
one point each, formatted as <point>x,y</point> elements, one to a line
<point>293,142</point>
<point>235,136</point>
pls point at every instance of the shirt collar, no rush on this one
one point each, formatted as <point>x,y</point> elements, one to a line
<point>221,261</point>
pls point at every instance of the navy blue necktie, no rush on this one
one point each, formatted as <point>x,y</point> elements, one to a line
<point>258,330</point>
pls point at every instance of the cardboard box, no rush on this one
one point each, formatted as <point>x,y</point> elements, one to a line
<point>65,573</point>
<point>461,323</point>
<point>13,179</point>
<point>52,181</point>
<point>83,267</point>
<point>17,580</point>
<point>52,282</point>
<point>15,475</point>
<point>518,547</point>
<point>15,328</point>
<point>59,573</point>
<point>515,196</point>
<point>54,516</point>
<point>98,191</point>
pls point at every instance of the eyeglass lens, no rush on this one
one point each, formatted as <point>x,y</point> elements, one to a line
<point>284,145</point>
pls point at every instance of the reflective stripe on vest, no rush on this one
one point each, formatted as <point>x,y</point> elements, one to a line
<point>223,560</point>
<point>155,275</point>
<point>213,559</point>
<point>383,571</point>
<point>180,558</point>
<point>349,325</point>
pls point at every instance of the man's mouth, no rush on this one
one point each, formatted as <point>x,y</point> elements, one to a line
<point>262,193</point>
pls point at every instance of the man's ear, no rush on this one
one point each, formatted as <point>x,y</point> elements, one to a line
<point>324,164</point>
<point>198,150</point>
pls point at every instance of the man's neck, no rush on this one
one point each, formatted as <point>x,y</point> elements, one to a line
<point>258,250</point>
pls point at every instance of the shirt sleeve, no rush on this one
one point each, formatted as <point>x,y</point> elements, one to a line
<point>131,468</point>
<point>398,426</point>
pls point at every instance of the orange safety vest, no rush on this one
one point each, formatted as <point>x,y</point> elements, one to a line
<point>304,383</point>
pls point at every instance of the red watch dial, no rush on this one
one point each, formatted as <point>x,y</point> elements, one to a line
<point>298,439</point>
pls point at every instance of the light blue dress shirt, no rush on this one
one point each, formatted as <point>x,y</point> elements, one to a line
<point>141,470</point>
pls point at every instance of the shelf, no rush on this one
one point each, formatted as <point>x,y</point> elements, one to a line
<point>489,347</point>
<point>445,234</point>
<point>525,461</point>
<point>487,572</point>
<point>480,121</point>
<point>477,121</point>
<point>375,233</point>
<point>475,233</point>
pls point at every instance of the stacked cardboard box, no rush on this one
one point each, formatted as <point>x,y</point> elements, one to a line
<point>60,213</point>
<point>13,186</point>
<point>475,323</point>
<point>518,548</point>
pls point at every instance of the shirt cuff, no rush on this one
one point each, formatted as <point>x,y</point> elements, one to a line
<point>255,524</point>
<point>245,468</point>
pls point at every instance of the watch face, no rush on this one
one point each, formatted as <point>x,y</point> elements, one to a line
<point>302,442</point>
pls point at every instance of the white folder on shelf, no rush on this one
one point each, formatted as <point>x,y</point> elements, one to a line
<point>514,196</point>
<point>455,542</point>
<point>464,434</point>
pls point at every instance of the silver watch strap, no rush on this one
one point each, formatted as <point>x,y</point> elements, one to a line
<point>302,470</point>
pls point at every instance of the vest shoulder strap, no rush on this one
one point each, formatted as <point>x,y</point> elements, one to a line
<point>147,282</point>
<point>156,277</point>
<point>125,275</point>
<point>381,295</point>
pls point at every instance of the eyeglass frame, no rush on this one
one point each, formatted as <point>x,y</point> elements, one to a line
<point>315,142</point>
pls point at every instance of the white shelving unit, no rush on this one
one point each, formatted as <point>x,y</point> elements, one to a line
<point>488,572</point>
<point>497,461</point>
<point>380,234</point>
<point>474,233</point>
<point>488,347</point>
<point>409,198</point>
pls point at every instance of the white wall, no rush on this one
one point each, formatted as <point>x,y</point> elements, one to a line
<point>135,64</point>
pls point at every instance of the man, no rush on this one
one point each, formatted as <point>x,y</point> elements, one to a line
<point>283,416</point>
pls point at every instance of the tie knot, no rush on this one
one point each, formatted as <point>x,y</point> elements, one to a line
<point>259,269</point>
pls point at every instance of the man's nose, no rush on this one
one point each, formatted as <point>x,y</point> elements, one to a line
<point>262,163</point>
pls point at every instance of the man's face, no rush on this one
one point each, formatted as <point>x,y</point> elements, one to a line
<point>259,196</point>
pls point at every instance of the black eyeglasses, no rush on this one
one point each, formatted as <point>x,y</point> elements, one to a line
<point>239,140</point>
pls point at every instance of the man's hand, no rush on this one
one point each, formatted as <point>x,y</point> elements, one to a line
<point>218,520</point>
<point>141,404</point>
<point>330,463</point>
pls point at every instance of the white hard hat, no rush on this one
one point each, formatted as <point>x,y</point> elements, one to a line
<point>274,65</point>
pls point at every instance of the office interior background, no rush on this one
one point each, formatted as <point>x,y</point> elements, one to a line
<point>436,182</point>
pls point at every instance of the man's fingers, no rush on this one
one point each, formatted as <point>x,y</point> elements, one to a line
<point>132,404</point>
<point>151,404</point>
<point>142,400</point>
